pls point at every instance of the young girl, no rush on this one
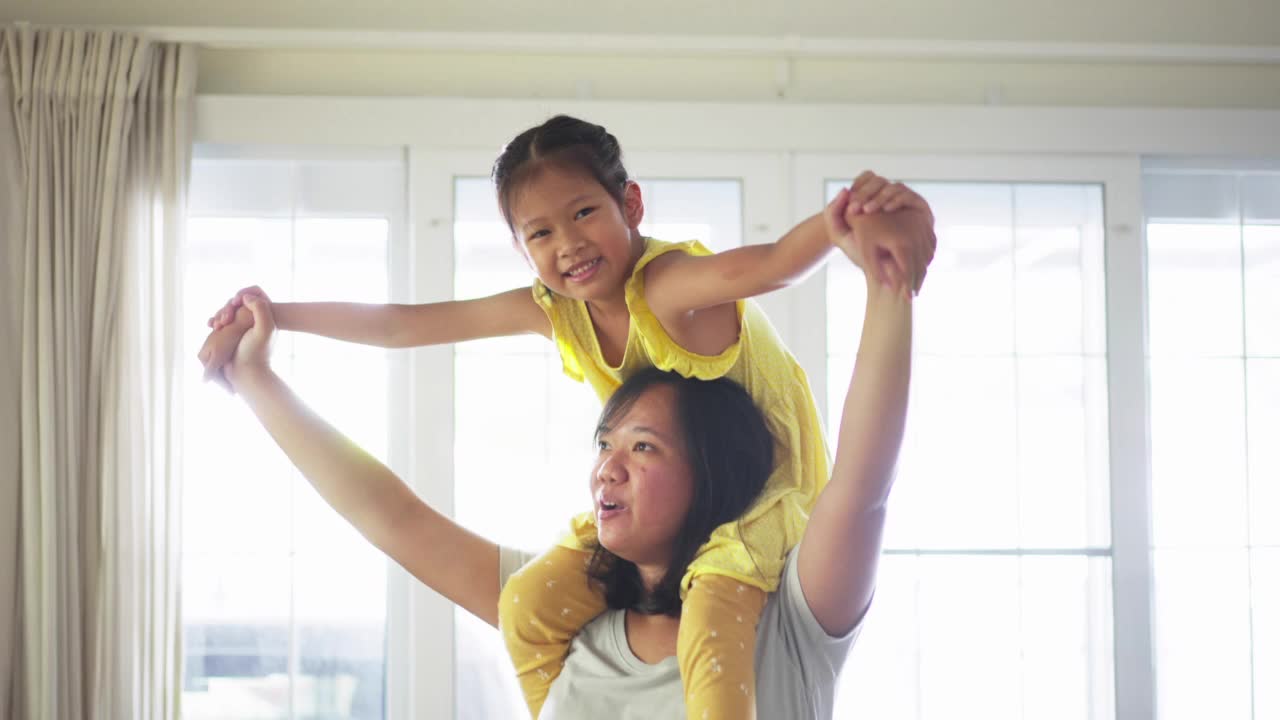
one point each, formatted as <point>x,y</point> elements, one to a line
<point>615,302</point>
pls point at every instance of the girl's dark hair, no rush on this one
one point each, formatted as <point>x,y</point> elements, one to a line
<point>730,452</point>
<point>566,143</point>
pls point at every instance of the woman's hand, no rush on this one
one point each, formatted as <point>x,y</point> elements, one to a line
<point>886,229</point>
<point>253,354</point>
<point>228,311</point>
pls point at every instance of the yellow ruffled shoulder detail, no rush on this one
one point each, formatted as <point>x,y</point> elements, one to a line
<point>664,352</point>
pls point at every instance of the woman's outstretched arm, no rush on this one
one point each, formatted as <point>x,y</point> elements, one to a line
<point>446,557</point>
<point>841,546</point>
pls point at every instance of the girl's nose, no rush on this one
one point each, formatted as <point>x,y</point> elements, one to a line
<point>570,241</point>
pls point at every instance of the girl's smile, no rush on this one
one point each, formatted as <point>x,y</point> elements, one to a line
<point>575,236</point>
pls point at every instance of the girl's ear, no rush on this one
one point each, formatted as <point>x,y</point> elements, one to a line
<point>632,204</point>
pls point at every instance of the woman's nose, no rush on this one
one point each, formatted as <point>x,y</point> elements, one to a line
<point>611,470</point>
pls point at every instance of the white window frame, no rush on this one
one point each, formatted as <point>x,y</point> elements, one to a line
<point>360,201</point>
<point>437,133</point>
<point>1125,281</point>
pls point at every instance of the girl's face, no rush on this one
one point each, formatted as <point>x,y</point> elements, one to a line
<point>574,235</point>
<point>642,483</point>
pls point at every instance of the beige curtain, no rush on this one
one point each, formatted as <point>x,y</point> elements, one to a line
<point>11,289</point>
<point>96,145</point>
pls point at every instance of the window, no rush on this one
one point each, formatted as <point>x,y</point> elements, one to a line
<point>511,393</point>
<point>283,602</point>
<point>1213,245</point>
<point>995,592</point>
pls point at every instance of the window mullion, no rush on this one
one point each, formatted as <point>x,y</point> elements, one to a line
<point>1129,443</point>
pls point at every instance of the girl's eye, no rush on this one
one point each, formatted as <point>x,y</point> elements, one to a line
<point>643,446</point>
<point>584,212</point>
<point>537,234</point>
<point>602,445</point>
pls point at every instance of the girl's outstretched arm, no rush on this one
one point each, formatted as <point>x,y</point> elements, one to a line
<point>449,559</point>
<point>395,325</point>
<point>841,545</point>
<point>513,312</point>
<point>676,284</point>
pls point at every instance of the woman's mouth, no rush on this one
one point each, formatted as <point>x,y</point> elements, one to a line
<point>606,510</point>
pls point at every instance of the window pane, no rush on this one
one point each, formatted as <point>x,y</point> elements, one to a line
<point>1202,631</point>
<point>236,642</point>
<point>1193,276</point>
<point>1262,290</point>
<point>1006,448</point>
<point>881,678</point>
<point>967,305</point>
<point>1041,402</point>
<point>709,211</point>
<point>1062,460</point>
<point>1266,631</point>
<point>1193,197</point>
<point>1264,451</point>
<point>1067,645</point>
<point>283,602</point>
<point>1260,198</point>
<point>1058,268</point>
<point>957,481</point>
<point>931,646</point>
<point>1197,453</point>
<point>846,305</point>
<point>1215,407</point>
<point>341,601</point>
<point>511,497</point>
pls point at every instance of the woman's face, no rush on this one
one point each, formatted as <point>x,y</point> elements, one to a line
<point>642,483</point>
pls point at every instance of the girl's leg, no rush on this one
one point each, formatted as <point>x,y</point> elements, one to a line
<point>541,609</point>
<point>717,648</point>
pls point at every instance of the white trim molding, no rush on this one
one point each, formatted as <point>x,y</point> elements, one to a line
<point>483,124</point>
<point>786,46</point>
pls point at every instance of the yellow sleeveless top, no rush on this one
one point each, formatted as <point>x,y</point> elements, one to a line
<point>760,363</point>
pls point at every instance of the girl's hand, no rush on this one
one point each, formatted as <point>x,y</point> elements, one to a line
<point>253,354</point>
<point>894,251</point>
<point>227,313</point>
<point>871,193</point>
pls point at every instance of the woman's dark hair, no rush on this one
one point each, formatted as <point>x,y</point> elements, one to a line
<point>730,452</point>
<point>563,142</point>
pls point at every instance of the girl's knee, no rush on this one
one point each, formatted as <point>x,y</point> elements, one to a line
<point>523,592</point>
<point>543,583</point>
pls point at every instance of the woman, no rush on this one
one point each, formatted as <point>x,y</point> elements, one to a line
<point>653,473</point>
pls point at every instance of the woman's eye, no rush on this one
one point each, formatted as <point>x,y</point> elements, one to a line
<point>602,445</point>
<point>643,447</point>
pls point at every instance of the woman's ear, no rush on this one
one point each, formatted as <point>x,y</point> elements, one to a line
<point>632,204</point>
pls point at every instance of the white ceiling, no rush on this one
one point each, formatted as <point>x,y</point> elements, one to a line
<point>1196,22</point>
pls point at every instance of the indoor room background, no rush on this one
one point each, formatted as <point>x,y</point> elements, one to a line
<point>1085,523</point>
